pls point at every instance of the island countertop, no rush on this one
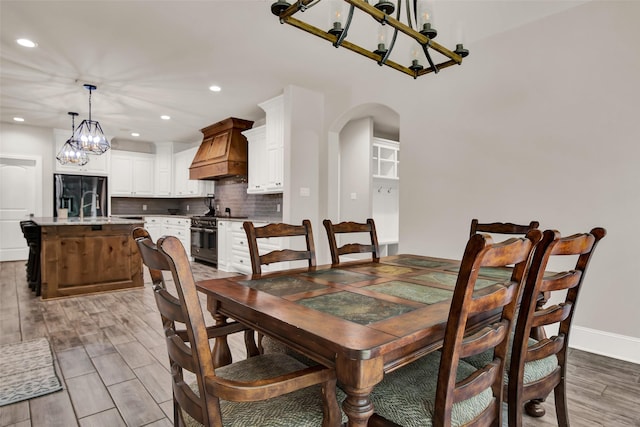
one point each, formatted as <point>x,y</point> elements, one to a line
<point>100,220</point>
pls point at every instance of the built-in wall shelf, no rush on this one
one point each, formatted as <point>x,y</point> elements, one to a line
<point>385,159</point>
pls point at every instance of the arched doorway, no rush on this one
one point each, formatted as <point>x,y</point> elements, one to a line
<point>364,170</point>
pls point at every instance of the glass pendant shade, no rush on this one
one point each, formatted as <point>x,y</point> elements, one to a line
<point>70,153</point>
<point>90,138</point>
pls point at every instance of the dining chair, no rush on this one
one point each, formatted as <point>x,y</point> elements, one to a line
<point>345,227</point>
<point>501,227</point>
<point>264,390</point>
<point>441,389</point>
<point>157,266</point>
<point>540,367</point>
<point>284,255</point>
<point>275,230</point>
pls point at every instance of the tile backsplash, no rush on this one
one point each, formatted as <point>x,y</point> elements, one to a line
<point>229,193</point>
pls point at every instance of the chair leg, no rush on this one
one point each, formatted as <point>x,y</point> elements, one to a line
<point>177,416</point>
<point>250,343</point>
<point>562,410</point>
<point>514,413</point>
<point>534,408</point>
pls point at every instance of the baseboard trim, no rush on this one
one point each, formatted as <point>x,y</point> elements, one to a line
<point>605,343</point>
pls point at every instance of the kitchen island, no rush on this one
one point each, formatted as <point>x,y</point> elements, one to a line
<point>87,255</point>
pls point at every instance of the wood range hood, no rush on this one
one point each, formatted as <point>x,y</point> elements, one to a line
<point>223,151</point>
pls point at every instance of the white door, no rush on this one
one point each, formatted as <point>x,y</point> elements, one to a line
<point>20,196</point>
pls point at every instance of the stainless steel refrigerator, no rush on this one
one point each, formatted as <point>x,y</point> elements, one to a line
<point>75,192</point>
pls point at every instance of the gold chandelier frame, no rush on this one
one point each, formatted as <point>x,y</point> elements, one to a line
<point>286,12</point>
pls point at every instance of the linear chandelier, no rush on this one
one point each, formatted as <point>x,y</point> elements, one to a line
<point>89,136</point>
<point>70,153</point>
<point>417,14</point>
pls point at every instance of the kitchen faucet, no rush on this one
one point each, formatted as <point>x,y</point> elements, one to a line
<point>94,204</point>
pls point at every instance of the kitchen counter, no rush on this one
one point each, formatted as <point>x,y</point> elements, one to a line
<point>89,255</point>
<point>52,221</point>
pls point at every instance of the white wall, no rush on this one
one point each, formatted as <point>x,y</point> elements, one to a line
<point>538,123</point>
<point>355,170</point>
<point>304,120</point>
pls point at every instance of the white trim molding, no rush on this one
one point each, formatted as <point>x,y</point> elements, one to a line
<point>605,343</point>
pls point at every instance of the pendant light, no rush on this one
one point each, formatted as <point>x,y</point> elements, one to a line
<point>70,153</point>
<point>89,135</point>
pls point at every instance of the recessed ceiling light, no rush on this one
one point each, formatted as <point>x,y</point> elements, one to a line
<point>135,134</point>
<point>165,117</point>
<point>18,119</point>
<point>215,88</point>
<point>26,43</point>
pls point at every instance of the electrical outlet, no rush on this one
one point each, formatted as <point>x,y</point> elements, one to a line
<point>187,208</point>
<point>278,207</point>
<point>144,207</point>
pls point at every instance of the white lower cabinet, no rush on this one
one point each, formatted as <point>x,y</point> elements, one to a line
<point>153,224</point>
<point>233,250</point>
<point>159,226</point>
<point>224,248</point>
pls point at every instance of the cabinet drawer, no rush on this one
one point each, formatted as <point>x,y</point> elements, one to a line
<point>181,222</point>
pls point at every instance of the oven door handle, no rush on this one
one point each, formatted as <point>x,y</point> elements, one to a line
<point>197,229</point>
<point>209,230</point>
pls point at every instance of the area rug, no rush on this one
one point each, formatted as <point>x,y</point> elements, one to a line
<point>26,371</point>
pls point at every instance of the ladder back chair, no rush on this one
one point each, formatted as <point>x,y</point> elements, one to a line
<point>441,389</point>
<point>156,264</point>
<point>345,227</point>
<point>264,390</point>
<point>284,255</point>
<point>266,344</point>
<point>501,227</point>
<point>539,367</point>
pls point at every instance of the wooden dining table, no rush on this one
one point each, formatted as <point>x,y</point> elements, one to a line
<point>364,318</point>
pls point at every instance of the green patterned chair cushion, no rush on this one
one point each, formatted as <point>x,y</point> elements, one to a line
<point>533,371</point>
<point>407,396</point>
<point>300,408</point>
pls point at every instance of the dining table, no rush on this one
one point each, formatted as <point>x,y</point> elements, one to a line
<point>365,318</point>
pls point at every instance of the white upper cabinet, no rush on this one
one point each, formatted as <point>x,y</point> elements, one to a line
<point>266,150</point>
<point>256,138</point>
<point>182,185</point>
<point>132,174</point>
<point>164,169</point>
<point>97,165</point>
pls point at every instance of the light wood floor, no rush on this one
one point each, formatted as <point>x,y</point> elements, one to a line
<point>111,357</point>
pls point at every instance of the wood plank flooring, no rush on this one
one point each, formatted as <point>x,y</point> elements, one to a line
<point>111,357</point>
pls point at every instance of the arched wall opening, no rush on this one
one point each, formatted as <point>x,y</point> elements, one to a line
<point>356,189</point>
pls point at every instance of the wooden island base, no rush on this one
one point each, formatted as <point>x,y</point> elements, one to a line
<point>81,259</point>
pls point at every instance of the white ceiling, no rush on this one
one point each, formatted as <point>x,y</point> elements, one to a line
<point>149,58</point>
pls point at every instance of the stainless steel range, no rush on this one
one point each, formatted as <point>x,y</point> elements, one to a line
<point>204,239</point>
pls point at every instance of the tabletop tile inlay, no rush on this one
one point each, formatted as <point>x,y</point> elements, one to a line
<point>281,286</point>
<point>497,272</point>
<point>424,263</point>
<point>355,307</point>
<point>412,291</point>
<point>386,269</point>
<point>450,279</point>
<point>343,277</point>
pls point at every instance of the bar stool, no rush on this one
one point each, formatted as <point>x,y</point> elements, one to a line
<point>31,232</point>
